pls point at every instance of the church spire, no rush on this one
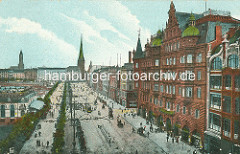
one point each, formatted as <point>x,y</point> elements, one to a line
<point>81,50</point>
<point>139,52</point>
<point>81,60</point>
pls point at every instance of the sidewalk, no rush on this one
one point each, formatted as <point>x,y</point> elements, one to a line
<point>158,138</point>
<point>46,131</point>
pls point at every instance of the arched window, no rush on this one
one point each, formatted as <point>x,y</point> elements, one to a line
<point>12,111</point>
<point>233,61</point>
<point>2,111</point>
<point>216,64</point>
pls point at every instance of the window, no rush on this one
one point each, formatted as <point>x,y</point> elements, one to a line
<point>174,61</point>
<point>215,101</point>
<point>188,91</point>
<point>178,45</point>
<point>136,84</point>
<point>155,100</point>
<point>226,127</point>
<point>237,82</point>
<point>167,61</point>
<point>136,65</point>
<point>173,90</point>
<point>156,87</point>
<point>228,79</point>
<point>167,89</point>
<point>233,61</point>
<point>156,62</point>
<point>215,121</point>
<point>12,111</point>
<point>237,105</point>
<point>184,110</point>
<point>199,75</point>
<point>182,59</point>
<point>3,111</point>
<point>170,61</point>
<point>227,104</point>
<point>215,82</point>
<point>236,129</point>
<point>170,89</point>
<point>183,92</point>
<point>199,92</point>
<point>179,91</point>
<point>216,64</point>
<point>168,105</point>
<point>162,88</point>
<point>199,58</point>
<point>189,58</point>
<point>178,108</point>
<point>197,113</point>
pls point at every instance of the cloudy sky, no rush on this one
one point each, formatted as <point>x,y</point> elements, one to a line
<point>48,31</point>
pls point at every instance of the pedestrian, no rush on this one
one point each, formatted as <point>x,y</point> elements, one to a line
<point>177,139</point>
<point>148,134</point>
<point>167,138</point>
<point>172,139</point>
<point>39,133</point>
<point>47,143</point>
<point>140,124</point>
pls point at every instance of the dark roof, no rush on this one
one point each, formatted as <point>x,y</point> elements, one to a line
<point>183,17</point>
<point>139,52</point>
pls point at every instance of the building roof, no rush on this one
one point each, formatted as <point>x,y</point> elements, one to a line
<point>184,17</point>
<point>81,56</point>
<point>190,31</point>
<point>139,52</point>
<point>37,104</point>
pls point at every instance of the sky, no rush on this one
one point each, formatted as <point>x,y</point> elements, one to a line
<point>49,31</point>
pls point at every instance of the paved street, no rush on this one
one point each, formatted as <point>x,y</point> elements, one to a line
<point>102,134</point>
<point>157,138</point>
<point>47,128</point>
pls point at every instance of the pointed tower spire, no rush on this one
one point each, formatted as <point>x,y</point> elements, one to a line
<point>139,52</point>
<point>81,56</point>
<point>81,60</point>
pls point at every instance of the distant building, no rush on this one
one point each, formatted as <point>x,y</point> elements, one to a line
<point>128,94</point>
<point>14,101</point>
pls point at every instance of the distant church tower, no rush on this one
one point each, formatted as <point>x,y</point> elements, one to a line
<point>81,60</point>
<point>20,64</point>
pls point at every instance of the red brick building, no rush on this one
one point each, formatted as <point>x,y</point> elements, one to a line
<point>180,105</point>
<point>223,119</point>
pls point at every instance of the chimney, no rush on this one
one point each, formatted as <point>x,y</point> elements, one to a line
<point>218,33</point>
<point>130,57</point>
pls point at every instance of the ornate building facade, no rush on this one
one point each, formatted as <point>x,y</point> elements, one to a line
<point>182,50</point>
